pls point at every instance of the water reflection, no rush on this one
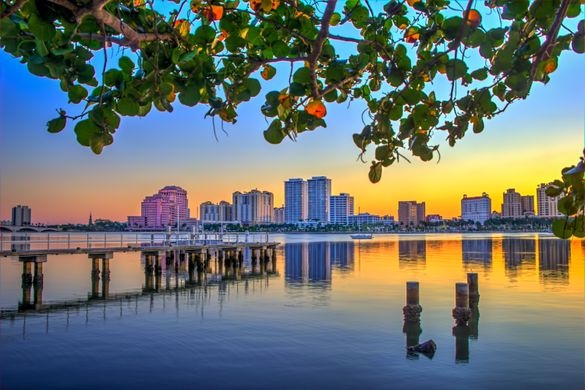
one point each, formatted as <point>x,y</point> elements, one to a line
<point>156,317</point>
<point>412,253</point>
<point>342,255</point>
<point>180,272</point>
<point>477,253</point>
<point>553,263</point>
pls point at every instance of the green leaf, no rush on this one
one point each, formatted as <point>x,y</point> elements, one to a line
<point>41,48</point>
<point>57,124</point>
<point>562,228</point>
<point>86,130</point>
<point>190,96</point>
<point>204,35</point>
<point>127,106</point>
<point>112,77</point>
<point>253,86</point>
<point>514,9</point>
<point>479,74</point>
<point>567,206</point>
<point>280,49</point>
<point>126,65</point>
<point>77,93</point>
<point>41,29</point>
<point>335,19</point>
<point>455,69</point>
<point>578,43</point>
<point>478,126</point>
<point>579,226</point>
<point>375,172</point>
<point>274,134</point>
<point>166,89</point>
<point>302,76</point>
<point>553,191</point>
<point>451,27</point>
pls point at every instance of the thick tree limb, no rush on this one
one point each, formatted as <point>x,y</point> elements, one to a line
<point>10,9</point>
<point>131,38</point>
<point>318,44</point>
<point>550,37</point>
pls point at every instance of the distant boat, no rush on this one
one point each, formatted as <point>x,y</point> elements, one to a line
<point>361,236</point>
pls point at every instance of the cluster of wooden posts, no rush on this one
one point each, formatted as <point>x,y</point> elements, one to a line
<point>465,314</point>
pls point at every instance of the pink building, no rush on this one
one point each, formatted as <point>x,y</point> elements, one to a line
<point>165,208</point>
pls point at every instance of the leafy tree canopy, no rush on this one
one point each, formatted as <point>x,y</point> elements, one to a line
<point>422,67</point>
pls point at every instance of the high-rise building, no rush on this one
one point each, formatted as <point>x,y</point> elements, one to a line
<point>512,206</point>
<point>319,189</point>
<point>516,205</point>
<point>476,208</point>
<point>225,211</point>
<point>215,213</point>
<point>341,208</point>
<point>527,202</point>
<point>547,206</point>
<point>21,216</point>
<point>208,212</point>
<point>254,207</point>
<point>279,215</point>
<point>166,208</point>
<point>296,201</point>
<point>411,212</point>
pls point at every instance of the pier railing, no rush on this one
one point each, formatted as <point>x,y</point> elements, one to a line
<point>22,242</point>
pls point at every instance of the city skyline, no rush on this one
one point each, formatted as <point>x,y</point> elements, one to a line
<point>265,210</point>
<point>63,182</point>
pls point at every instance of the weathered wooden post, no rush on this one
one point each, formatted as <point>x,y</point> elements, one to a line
<point>27,281</point>
<point>148,271</point>
<point>461,312</point>
<point>413,308</point>
<point>472,282</point>
<point>411,313</point>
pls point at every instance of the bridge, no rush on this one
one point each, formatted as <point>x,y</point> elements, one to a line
<point>26,229</point>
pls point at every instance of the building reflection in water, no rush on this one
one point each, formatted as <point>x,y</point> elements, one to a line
<point>519,254</point>
<point>312,262</point>
<point>477,253</point>
<point>412,253</point>
<point>296,267</point>
<point>553,266</point>
<point>342,255</point>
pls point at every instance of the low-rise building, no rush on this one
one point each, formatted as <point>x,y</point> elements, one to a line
<point>476,208</point>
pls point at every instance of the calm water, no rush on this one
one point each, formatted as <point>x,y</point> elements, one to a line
<point>328,316</point>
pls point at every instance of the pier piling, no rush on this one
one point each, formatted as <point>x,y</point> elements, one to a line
<point>413,308</point>
<point>461,312</point>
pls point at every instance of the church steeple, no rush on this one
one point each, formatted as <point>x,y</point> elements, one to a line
<point>90,219</point>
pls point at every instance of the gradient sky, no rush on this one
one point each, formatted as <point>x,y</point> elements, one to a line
<point>63,182</point>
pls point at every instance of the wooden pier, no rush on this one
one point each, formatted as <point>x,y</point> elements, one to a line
<point>199,259</point>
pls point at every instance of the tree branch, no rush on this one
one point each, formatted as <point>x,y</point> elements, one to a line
<point>318,44</point>
<point>131,39</point>
<point>10,9</point>
<point>550,37</point>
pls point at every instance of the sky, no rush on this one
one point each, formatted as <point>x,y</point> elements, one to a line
<point>63,182</point>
